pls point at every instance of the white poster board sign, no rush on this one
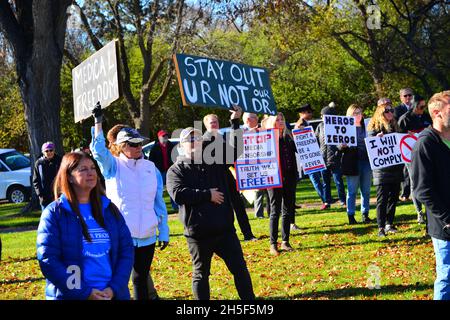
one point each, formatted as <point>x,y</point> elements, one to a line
<point>384,151</point>
<point>94,80</point>
<point>308,150</point>
<point>339,130</point>
<point>259,165</point>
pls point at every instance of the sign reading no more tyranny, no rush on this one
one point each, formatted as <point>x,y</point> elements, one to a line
<point>214,83</point>
<point>94,80</point>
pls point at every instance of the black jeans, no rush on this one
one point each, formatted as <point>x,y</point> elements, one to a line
<point>143,287</point>
<point>282,202</point>
<point>229,249</point>
<point>387,197</point>
<point>241,214</point>
<point>406,184</point>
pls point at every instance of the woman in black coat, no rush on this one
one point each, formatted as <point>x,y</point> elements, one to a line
<point>387,180</point>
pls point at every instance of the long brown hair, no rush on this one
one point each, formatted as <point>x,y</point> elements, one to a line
<point>112,137</point>
<point>62,185</point>
<point>379,123</point>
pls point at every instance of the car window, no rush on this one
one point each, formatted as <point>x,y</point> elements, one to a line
<point>15,160</point>
<point>3,168</point>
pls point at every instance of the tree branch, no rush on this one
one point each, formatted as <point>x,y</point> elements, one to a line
<point>94,39</point>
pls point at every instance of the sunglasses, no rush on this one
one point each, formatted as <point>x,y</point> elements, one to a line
<point>407,95</point>
<point>193,139</point>
<point>134,145</point>
<point>388,110</point>
<point>49,150</point>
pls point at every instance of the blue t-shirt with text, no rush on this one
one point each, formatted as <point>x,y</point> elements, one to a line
<point>97,271</point>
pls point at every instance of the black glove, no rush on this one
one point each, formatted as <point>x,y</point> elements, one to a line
<point>97,113</point>
<point>163,244</point>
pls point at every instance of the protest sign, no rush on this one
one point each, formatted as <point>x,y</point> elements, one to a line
<point>339,130</point>
<point>384,151</point>
<point>96,80</point>
<point>259,165</point>
<point>308,150</point>
<point>215,83</point>
<point>407,143</point>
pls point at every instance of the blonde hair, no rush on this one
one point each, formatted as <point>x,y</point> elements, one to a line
<point>379,122</point>
<point>211,115</point>
<point>438,101</point>
<point>352,109</point>
<point>269,123</point>
<point>112,137</point>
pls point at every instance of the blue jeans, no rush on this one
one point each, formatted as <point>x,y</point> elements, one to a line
<point>315,180</point>
<point>337,177</point>
<point>442,283</point>
<point>362,181</point>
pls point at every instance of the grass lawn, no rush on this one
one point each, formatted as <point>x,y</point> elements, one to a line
<point>332,260</point>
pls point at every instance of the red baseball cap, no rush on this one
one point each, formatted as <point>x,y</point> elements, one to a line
<point>162,133</point>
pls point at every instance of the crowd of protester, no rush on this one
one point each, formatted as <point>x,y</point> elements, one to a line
<point>110,229</point>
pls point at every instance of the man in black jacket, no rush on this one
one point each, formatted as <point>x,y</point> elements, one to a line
<point>45,170</point>
<point>431,176</point>
<point>201,189</point>
<point>406,97</point>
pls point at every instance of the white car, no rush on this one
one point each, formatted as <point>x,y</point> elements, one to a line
<point>15,176</point>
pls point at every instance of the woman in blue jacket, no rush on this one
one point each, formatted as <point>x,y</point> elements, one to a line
<point>84,247</point>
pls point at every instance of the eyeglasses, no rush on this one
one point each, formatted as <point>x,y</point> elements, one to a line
<point>134,145</point>
<point>84,170</point>
<point>388,110</point>
<point>407,95</point>
<point>49,150</point>
<point>357,113</point>
<point>193,139</point>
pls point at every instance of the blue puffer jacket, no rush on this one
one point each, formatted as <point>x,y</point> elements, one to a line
<point>59,252</point>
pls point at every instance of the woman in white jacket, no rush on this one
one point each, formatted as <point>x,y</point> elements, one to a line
<point>135,186</point>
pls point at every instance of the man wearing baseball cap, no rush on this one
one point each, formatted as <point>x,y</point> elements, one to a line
<point>201,189</point>
<point>45,170</point>
<point>161,155</point>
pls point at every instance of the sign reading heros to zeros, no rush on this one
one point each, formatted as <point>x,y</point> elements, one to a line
<point>96,80</point>
<point>339,130</point>
<point>215,83</point>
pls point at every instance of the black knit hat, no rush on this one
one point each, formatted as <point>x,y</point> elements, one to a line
<point>328,110</point>
<point>304,108</point>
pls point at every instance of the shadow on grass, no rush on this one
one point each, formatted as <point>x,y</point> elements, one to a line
<point>352,292</point>
<point>15,281</point>
<point>14,260</point>
<point>412,241</point>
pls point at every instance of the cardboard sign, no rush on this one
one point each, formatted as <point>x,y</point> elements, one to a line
<point>259,165</point>
<point>215,83</point>
<point>407,143</point>
<point>340,130</point>
<point>94,80</point>
<point>308,150</point>
<point>384,151</point>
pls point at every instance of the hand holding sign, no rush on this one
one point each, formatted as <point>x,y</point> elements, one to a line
<point>236,112</point>
<point>97,113</point>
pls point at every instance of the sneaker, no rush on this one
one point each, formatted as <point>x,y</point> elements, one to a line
<point>390,229</point>
<point>286,246</point>
<point>421,219</point>
<point>252,238</point>
<point>274,250</point>
<point>403,199</point>
<point>381,233</point>
<point>343,204</point>
<point>351,220</point>
<point>294,227</point>
<point>366,219</point>
<point>325,206</point>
